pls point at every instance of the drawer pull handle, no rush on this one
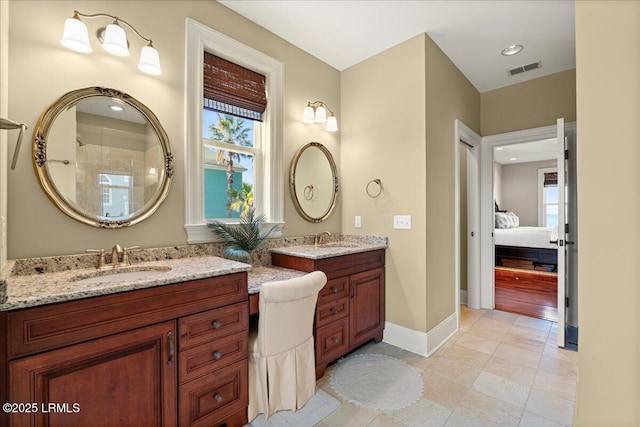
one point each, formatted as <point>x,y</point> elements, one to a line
<point>334,310</point>
<point>334,289</point>
<point>218,398</point>
<point>335,340</point>
<point>172,348</point>
<point>217,355</point>
<point>216,324</point>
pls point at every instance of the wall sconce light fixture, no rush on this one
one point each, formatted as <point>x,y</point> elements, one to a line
<point>316,112</point>
<point>113,38</point>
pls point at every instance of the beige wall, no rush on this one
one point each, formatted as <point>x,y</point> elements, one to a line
<point>530,104</point>
<point>519,192</point>
<point>383,136</point>
<point>398,110</point>
<point>608,183</point>
<point>450,96</point>
<point>41,70</point>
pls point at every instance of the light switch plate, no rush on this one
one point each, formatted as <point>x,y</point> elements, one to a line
<point>358,221</point>
<point>402,222</point>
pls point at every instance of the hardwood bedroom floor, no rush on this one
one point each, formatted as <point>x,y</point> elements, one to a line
<point>530,293</point>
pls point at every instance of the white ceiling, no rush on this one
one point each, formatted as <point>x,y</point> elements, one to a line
<point>472,33</point>
<point>535,151</point>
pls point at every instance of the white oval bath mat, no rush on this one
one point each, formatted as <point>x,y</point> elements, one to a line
<point>377,381</point>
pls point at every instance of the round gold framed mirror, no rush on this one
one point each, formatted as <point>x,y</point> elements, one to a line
<point>102,157</point>
<point>313,182</point>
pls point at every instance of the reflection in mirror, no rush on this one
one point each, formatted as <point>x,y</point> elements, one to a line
<point>313,182</point>
<point>102,157</point>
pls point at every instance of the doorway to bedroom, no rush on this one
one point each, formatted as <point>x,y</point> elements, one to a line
<point>524,186</point>
<point>525,190</point>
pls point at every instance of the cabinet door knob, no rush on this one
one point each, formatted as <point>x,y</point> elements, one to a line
<point>334,289</point>
<point>216,324</point>
<point>335,340</point>
<point>218,398</point>
<point>334,310</point>
<point>217,355</point>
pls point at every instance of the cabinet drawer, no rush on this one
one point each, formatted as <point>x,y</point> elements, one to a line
<point>333,290</point>
<point>213,355</point>
<point>32,330</point>
<point>332,311</point>
<point>203,327</point>
<point>211,399</point>
<point>332,341</point>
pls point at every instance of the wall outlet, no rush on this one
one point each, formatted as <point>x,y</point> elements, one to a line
<point>402,222</point>
<point>358,221</point>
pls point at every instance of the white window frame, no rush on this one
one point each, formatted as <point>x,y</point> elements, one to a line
<point>105,182</point>
<point>541,204</point>
<point>270,191</point>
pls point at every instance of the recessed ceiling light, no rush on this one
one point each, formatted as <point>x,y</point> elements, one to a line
<point>116,107</point>
<point>512,50</point>
<point>499,148</point>
<point>513,158</point>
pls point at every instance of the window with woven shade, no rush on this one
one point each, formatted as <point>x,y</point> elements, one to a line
<point>234,134</point>
<point>548,197</point>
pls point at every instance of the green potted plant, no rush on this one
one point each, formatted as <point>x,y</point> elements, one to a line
<point>243,237</point>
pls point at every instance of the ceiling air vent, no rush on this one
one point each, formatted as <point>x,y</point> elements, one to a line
<point>522,69</point>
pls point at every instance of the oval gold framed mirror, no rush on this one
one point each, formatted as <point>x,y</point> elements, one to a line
<point>102,157</point>
<point>313,182</point>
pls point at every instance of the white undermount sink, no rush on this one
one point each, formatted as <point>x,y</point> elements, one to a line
<point>103,276</point>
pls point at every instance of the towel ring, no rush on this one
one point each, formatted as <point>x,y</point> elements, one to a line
<point>372,193</point>
<point>308,192</point>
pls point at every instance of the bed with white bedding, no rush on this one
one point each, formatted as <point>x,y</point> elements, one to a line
<point>527,244</point>
<point>527,237</point>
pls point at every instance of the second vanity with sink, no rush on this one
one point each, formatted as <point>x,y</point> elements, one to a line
<point>350,309</point>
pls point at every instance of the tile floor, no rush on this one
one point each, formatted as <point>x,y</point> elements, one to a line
<point>498,369</point>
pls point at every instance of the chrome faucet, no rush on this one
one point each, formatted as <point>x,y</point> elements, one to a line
<point>318,237</point>
<point>119,256</point>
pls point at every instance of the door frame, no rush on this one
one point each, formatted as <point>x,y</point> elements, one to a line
<point>487,249</point>
<point>464,135</point>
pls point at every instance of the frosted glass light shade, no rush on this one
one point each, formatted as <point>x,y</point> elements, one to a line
<point>332,123</point>
<point>308,115</point>
<point>150,61</point>
<point>115,40</point>
<point>321,114</point>
<point>76,36</point>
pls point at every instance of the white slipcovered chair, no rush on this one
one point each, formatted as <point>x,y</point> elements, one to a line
<point>281,356</point>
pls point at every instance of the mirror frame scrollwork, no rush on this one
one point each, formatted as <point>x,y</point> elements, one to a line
<point>40,140</point>
<point>305,191</point>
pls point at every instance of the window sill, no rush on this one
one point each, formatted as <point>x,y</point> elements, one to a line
<point>201,233</point>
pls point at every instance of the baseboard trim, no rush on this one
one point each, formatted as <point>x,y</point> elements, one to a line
<point>463,296</point>
<point>439,335</point>
<point>405,338</point>
<point>424,344</point>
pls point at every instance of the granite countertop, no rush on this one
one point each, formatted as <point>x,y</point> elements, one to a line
<point>31,282</point>
<point>38,289</point>
<point>343,245</point>
<point>259,275</point>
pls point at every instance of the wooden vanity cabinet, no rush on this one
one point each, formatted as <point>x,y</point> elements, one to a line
<point>350,307</point>
<point>163,356</point>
